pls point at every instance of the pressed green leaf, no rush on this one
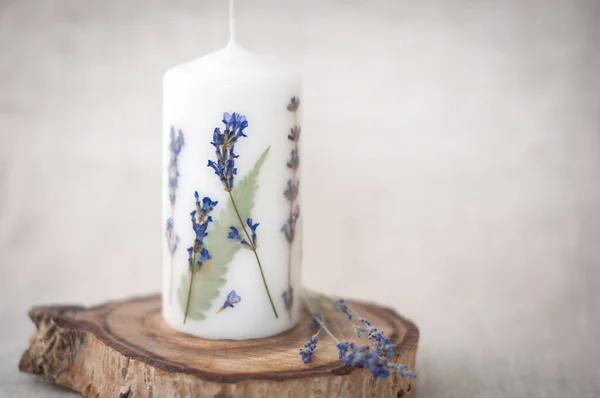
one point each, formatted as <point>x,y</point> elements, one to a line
<point>212,275</point>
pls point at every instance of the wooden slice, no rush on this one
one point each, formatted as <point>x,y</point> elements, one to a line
<point>124,349</point>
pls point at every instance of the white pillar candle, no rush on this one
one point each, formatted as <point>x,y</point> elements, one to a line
<point>245,280</point>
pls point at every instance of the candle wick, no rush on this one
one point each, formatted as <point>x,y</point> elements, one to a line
<point>231,22</point>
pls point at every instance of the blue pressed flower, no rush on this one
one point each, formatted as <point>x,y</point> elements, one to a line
<point>232,298</point>
<point>204,256</point>
<point>208,205</point>
<point>294,104</point>
<point>217,141</point>
<point>200,228</point>
<point>219,169</point>
<point>234,234</point>
<point>235,123</point>
<point>253,229</point>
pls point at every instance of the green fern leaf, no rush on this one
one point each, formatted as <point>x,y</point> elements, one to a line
<point>212,276</point>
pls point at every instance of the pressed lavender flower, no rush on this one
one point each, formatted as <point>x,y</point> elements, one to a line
<point>294,104</point>
<point>203,256</point>
<point>235,123</point>
<point>253,229</point>
<point>288,298</point>
<point>294,162</point>
<point>175,146</point>
<point>206,206</point>
<point>232,298</point>
<point>340,305</point>
<point>200,227</point>
<point>198,254</point>
<point>200,220</point>
<point>172,238</point>
<point>307,351</point>
<point>291,192</point>
<point>224,143</point>
<point>289,228</point>
<point>235,235</point>
<point>294,134</point>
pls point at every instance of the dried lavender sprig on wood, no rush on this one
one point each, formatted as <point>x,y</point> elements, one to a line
<point>374,358</point>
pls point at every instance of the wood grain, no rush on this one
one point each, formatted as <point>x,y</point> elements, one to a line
<point>124,349</point>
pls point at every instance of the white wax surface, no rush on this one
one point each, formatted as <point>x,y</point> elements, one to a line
<point>196,95</point>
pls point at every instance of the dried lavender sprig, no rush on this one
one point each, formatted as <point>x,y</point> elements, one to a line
<point>198,254</point>
<point>380,342</point>
<point>306,352</point>
<point>224,143</point>
<point>375,358</point>
<point>175,146</point>
<point>291,193</point>
<point>251,240</point>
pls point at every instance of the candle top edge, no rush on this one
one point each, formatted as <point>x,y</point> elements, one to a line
<point>233,62</point>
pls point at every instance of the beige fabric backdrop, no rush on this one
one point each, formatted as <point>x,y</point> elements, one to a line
<point>451,168</point>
